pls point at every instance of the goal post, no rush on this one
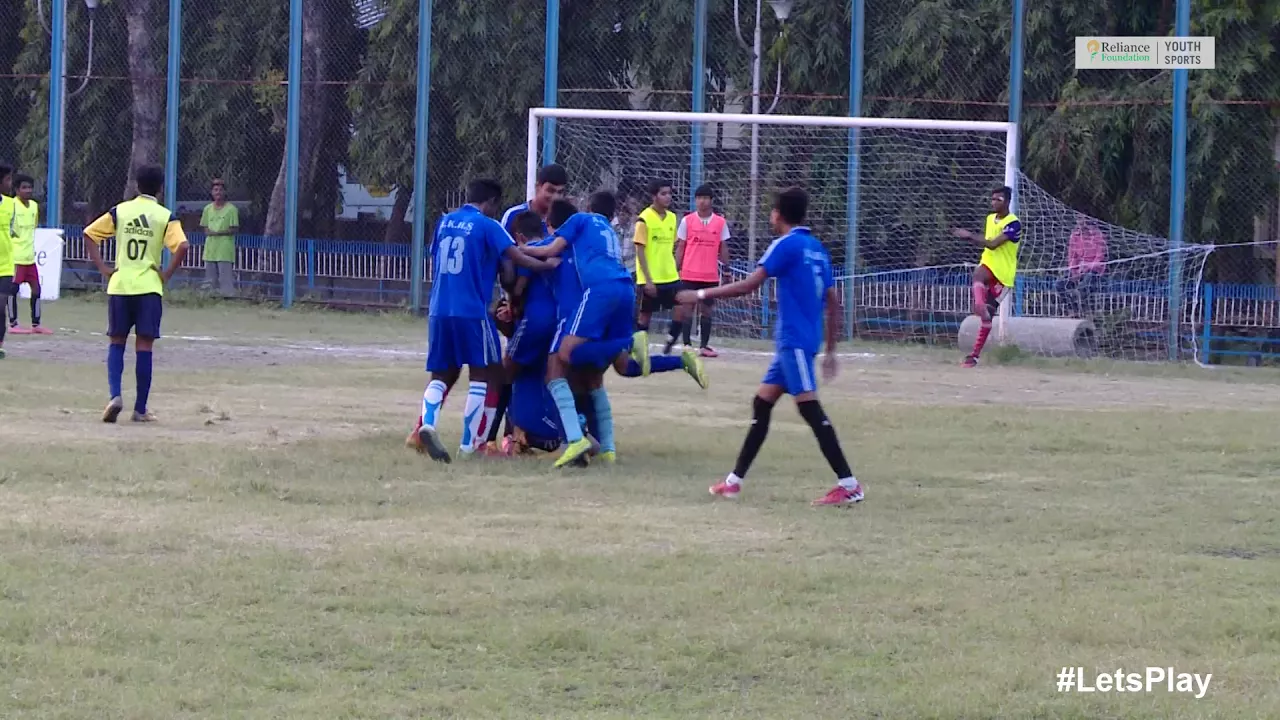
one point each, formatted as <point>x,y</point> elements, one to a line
<point>885,194</point>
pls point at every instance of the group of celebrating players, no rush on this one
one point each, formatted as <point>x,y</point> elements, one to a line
<point>569,313</point>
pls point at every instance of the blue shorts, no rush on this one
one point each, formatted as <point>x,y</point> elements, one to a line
<point>139,313</point>
<point>792,370</point>
<point>454,342</point>
<point>606,312</point>
<point>531,343</point>
<point>532,408</point>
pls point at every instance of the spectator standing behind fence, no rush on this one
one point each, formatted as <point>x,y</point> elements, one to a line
<point>220,222</point>
<point>1086,263</point>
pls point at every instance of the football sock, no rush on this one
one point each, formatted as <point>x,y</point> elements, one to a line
<point>980,300</point>
<point>473,416</point>
<point>142,372</point>
<point>11,305</point>
<point>432,400</point>
<point>674,331</point>
<point>604,419</point>
<point>688,331</point>
<point>35,310</point>
<point>813,414</point>
<point>761,410</point>
<point>586,414</point>
<point>492,396</point>
<point>706,330</point>
<point>733,479</point>
<point>504,400</point>
<point>559,389</point>
<point>665,363</point>
<point>115,368</point>
<point>541,443</point>
<point>981,340</point>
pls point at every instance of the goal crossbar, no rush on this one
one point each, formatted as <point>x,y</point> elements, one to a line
<point>536,115</point>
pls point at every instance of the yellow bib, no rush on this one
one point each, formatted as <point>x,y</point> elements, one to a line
<point>140,229</point>
<point>1002,261</point>
<point>659,248</point>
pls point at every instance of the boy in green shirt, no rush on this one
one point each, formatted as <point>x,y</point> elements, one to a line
<point>219,222</point>
<point>6,248</point>
<point>22,234</point>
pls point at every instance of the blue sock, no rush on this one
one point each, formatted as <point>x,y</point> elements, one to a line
<point>633,367</point>
<point>563,396</point>
<point>143,374</point>
<point>115,368</point>
<point>665,363</point>
<point>604,419</point>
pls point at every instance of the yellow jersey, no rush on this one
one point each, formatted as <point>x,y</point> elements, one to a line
<point>1003,261</point>
<point>6,243</point>
<point>142,228</point>
<point>23,232</point>
<point>659,247</point>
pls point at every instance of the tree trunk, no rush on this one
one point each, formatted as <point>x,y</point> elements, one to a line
<point>312,116</point>
<point>148,93</point>
<point>395,231</point>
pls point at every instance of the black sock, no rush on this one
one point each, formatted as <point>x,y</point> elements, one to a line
<point>706,329</point>
<point>504,399</point>
<point>813,414</point>
<point>642,328</point>
<point>35,310</point>
<point>587,409</point>
<point>12,308</point>
<point>761,409</point>
<point>688,330</point>
<point>674,332</point>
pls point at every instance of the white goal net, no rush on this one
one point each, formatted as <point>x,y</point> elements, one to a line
<point>914,181</point>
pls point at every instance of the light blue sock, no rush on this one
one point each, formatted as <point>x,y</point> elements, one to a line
<point>563,396</point>
<point>604,419</point>
<point>665,363</point>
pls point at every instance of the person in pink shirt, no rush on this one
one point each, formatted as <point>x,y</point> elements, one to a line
<point>1086,263</point>
<point>702,247</point>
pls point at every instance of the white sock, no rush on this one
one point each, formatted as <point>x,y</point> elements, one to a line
<point>473,416</point>
<point>733,479</point>
<point>849,483</point>
<point>432,401</point>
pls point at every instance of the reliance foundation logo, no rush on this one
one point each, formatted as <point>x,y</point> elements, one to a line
<point>1139,53</point>
<point>1120,53</point>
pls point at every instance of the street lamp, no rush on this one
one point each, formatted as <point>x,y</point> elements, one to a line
<point>782,11</point>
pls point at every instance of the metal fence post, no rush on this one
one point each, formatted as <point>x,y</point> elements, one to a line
<point>422,145</point>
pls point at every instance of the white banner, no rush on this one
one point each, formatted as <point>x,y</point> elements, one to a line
<point>49,262</point>
<point>1145,53</point>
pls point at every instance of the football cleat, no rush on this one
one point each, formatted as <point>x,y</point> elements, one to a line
<point>841,495</point>
<point>429,442</point>
<point>573,451</point>
<point>726,490</point>
<point>970,362</point>
<point>693,366</point>
<point>708,352</point>
<point>113,410</point>
<point>640,351</point>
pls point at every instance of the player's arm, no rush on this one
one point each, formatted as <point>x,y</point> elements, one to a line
<point>96,234</point>
<point>682,235</point>
<point>745,286</point>
<point>550,250</point>
<point>530,262</point>
<point>176,241</point>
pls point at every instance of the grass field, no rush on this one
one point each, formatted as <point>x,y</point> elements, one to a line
<point>270,549</point>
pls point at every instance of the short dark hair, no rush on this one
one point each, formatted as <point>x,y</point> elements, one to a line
<point>150,179</point>
<point>1004,191</point>
<point>705,191</point>
<point>561,211</point>
<point>793,205</point>
<point>655,186</point>
<point>5,169</point>
<point>554,174</point>
<point>528,224</point>
<point>18,180</point>
<point>603,203</point>
<point>482,190</point>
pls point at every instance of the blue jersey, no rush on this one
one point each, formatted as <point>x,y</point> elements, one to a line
<point>803,271</point>
<point>510,215</point>
<point>596,250</point>
<point>466,253</point>
<point>568,288</point>
<point>539,293</point>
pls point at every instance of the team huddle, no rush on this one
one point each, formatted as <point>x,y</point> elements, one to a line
<point>569,313</point>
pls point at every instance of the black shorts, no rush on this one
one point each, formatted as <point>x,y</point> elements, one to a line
<point>6,286</point>
<point>665,300</point>
<point>140,313</point>
<point>701,285</point>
